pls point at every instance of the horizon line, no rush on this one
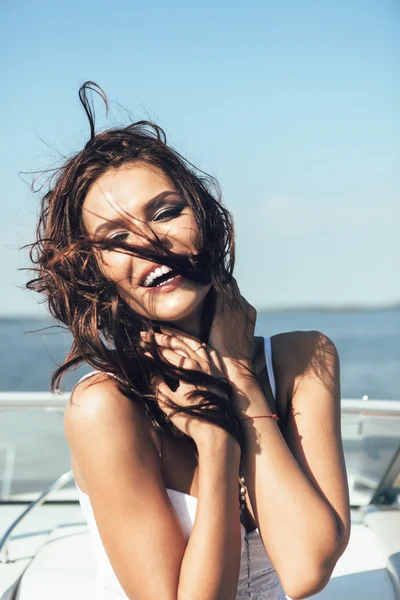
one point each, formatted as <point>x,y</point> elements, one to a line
<point>266,309</point>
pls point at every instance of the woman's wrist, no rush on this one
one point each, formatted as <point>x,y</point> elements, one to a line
<point>217,441</point>
<point>238,366</point>
<point>239,373</point>
<point>248,396</point>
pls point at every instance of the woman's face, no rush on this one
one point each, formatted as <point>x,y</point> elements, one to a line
<point>134,199</point>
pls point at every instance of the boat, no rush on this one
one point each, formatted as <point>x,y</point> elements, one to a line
<point>45,548</point>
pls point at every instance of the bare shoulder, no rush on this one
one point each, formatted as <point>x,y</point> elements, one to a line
<point>98,412</point>
<point>300,355</point>
<point>116,460</point>
<point>98,398</point>
<point>292,342</point>
<point>96,394</point>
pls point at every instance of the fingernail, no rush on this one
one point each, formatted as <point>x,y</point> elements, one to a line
<point>144,334</point>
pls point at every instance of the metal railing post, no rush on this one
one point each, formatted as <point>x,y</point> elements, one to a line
<point>54,487</point>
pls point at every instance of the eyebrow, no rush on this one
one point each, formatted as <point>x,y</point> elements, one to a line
<point>150,206</point>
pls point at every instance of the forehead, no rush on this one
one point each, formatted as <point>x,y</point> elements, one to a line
<point>123,193</point>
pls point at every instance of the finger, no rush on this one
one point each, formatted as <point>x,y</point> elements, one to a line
<point>165,340</point>
<point>186,337</point>
<point>169,403</point>
<point>177,360</point>
<point>183,344</point>
<point>161,387</point>
<point>179,351</point>
<point>201,350</point>
<point>195,345</point>
<point>163,394</point>
<point>215,359</point>
<point>200,357</point>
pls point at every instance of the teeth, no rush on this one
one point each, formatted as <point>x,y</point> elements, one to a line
<point>158,271</point>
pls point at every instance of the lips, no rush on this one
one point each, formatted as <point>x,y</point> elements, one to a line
<point>167,286</point>
<point>158,276</point>
<point>146,272</point>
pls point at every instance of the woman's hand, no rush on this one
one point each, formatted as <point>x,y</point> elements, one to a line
<point>232,334</point>
<point>187,352</point>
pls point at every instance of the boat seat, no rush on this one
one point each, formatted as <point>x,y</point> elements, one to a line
<point>364,570</point>
<point>64,567</point>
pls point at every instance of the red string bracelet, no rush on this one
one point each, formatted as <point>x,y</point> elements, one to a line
<point>274,416</point>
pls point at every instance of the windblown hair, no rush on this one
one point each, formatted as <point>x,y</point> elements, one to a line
<point>105,329</point>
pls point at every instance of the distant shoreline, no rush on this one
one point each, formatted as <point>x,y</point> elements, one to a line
<point>322,308</point>
<point>266,310</point>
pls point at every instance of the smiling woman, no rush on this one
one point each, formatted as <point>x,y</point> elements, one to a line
<point>127,203</point>
<point>208,462</point>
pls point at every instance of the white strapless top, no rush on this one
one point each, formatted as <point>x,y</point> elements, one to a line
<point>265,584</point>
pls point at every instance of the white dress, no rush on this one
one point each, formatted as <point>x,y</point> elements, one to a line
<point>265,584</point>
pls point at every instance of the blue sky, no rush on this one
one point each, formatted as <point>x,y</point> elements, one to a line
<point>293,106</point>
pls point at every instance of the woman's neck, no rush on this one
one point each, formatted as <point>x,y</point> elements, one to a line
<point>191,325</point>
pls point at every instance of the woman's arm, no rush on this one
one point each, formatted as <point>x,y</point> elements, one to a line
<point>210,566</point>
<point>298,487</point>
<point>142,535</point>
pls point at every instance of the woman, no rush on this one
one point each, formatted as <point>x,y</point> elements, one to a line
<point>208,461</point>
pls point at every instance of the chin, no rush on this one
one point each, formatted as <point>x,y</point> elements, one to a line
<point>173,307</point>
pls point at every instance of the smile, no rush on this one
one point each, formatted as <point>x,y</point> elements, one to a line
<point>158,276</point>
<point>166,285</point>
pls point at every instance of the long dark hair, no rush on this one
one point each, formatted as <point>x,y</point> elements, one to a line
<point>105,329</point>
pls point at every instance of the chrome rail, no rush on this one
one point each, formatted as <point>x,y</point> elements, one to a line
<point>10,452</point>
<point>45,401</point>
<point>370,407</point>
<point>33,401</point>
<point>56,402</point>
<point>54,487</point>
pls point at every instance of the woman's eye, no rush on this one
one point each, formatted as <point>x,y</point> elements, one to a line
<point>168,213</point>
<point>119,237</point>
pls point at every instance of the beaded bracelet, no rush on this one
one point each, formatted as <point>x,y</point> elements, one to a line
<point>274,416</point>
<point>243,507</point>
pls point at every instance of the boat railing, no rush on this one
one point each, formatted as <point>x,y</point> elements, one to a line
<point>43,496</point>
<point>33,401</point>
<point>36,401</point>
<point>56,402</point>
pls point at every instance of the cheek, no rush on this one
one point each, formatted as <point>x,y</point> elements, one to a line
<point>116,266</point>
<point>184,237</point>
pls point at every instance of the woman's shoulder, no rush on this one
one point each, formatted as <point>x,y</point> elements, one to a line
<point>292,341</point>
<point>97,408</point>
<point>95,391</point>
<point>103,427</point>
<point>298,354</point>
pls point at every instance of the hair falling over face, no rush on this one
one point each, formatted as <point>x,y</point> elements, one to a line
<point>71,274</point>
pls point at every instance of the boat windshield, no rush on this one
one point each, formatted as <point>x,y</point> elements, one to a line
<point>34,452</point>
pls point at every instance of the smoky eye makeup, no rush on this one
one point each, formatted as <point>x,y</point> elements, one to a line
<point>169,211</point>
<point>120,236</point>
<point>160,211</point>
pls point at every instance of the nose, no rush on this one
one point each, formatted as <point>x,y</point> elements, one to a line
<point>144,237</point>
<point>141,235</point>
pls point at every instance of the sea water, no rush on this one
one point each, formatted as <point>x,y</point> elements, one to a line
<point>32,443</point>
<point>368,342</point>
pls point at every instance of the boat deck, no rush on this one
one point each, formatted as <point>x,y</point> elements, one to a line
<point>56,538</point>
